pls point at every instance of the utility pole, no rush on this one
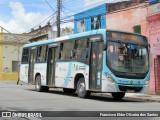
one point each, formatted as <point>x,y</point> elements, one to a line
<point>58,18</point>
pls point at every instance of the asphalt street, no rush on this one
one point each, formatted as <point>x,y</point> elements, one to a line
<point>24,98</point>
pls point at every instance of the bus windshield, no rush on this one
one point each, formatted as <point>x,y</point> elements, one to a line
<point>127,57</point>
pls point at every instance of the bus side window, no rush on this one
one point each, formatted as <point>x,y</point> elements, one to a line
<point>74,51</point>
<point>45,53</point>
<point>39,53</point>
<point>87,48</point>
<point>83,47</point>
<point>42,53</point>
<point>61,50</point>
<point>25,55</point>
<point>65,51</point>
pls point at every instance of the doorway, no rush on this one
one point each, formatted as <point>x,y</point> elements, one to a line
<point>157,74</point>
<point>52,56</point>
<point>32,58</point>
<point>96,65</point>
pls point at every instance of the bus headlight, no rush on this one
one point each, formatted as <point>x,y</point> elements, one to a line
<point>147,82</point>
<point>109,78</point>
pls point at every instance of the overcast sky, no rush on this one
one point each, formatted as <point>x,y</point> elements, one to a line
<point>20,16</point>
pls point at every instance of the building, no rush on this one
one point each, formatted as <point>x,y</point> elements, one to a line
<point>47,32</point>
<point>42,33</point>
<point>93,18</point>
<point>10,54</point>
<point>120,15</point>
<point>128,16</point>
<point>139,16</point>
<point>143,17</point>
<point>153,19</point>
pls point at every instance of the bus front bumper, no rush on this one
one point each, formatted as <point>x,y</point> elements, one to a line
<point>108,86</point>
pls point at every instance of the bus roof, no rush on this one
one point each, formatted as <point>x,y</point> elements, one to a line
<point>121,31</point>
<point>78,35</point>
<point>93,32</point>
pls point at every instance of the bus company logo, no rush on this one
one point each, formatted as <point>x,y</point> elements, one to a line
<point>131,81</point>
<point>6,114</point>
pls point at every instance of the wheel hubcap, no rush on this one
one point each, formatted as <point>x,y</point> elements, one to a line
<point>81,88</point>
<point>37,83</point>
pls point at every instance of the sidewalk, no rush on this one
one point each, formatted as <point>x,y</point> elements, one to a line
<point>146,97</point>
<point>136,96</point>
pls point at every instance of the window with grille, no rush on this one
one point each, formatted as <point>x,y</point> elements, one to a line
<point>14,66</point>
<point>25,55</point>
<point>137,29</point>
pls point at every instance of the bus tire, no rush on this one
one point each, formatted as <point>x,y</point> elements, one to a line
<point>67,90</point>
<point>81,89</point>
<point>39,87</point>
<point>118,95</point>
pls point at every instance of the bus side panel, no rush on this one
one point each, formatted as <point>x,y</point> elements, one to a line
<point>81,68</point>
<point>66,72</point>
<point>24,73</point>
<point>62,75</point>
<point>41,68</point>
<point>108,86</point>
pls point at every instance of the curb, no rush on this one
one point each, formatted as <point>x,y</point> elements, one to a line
<point>135,98</point>
<point>146,99</point>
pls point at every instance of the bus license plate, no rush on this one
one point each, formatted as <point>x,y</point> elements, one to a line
<point>130,91</point>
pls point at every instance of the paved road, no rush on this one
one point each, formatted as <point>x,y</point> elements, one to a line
<point>25,98</point>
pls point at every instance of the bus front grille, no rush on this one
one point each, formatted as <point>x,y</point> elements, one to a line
<point>129,88</point>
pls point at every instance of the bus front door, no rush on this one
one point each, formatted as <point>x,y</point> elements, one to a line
<point>32,58</point>
<point>96,56</point>
<point>51,65</point>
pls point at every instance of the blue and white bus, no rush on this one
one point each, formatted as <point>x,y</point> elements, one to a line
<point>101,60</point>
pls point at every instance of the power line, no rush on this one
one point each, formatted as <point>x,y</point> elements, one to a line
<point>23,3</point>
<point>50,17</point>
<point>71,20</point>
<point>80,3</point>
<point>49,5</point>
<point>10,32</point>
<point>82,9</point>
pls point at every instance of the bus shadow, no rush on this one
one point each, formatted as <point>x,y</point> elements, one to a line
<point>110,99</point>
<point>58,92</point>
<point>93,96</point>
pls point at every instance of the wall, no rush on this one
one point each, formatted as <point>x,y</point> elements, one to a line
<point>153,19</point>
<point>87,17</point>
<point>0,56</point>
<point>125,19</point>
<point>10,51</point>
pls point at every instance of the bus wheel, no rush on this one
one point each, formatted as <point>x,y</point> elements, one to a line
<point>67,90</point>
<point>39,87</point>
<point>81,89</point>
<point>118,95</point>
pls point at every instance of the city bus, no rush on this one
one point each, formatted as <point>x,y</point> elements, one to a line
<point>106,61</point>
